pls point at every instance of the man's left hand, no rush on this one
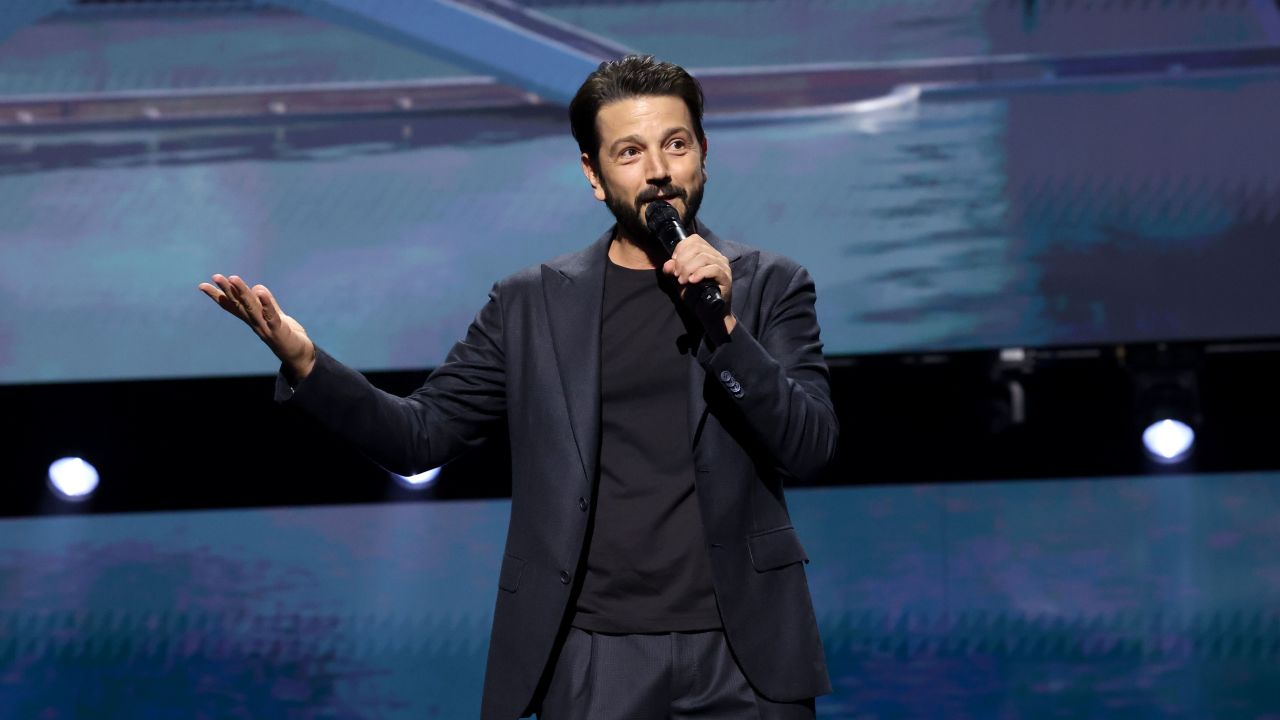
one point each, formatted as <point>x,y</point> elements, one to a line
<point>694,261</point>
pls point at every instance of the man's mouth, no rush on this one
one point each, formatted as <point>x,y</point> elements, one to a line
<point>664,198</point>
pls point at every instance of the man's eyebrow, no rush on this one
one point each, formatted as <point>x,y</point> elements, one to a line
<point>637,140</point>
<point>628,140</point>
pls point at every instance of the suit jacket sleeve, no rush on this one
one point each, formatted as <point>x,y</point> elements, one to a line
<point>779,381</point>
<point>451,412</point>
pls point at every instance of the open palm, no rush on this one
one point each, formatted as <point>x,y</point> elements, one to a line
<point>258,308</point>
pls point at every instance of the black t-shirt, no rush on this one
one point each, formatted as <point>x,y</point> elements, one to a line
<point>647,567</point>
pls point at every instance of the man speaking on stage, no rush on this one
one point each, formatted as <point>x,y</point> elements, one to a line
<point>660,387</point>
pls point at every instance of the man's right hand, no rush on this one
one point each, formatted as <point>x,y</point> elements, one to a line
<point>259,310</point>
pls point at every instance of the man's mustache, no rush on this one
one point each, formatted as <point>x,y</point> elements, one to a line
<point>651,193</point>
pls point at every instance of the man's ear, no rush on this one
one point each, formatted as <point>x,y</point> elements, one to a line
<point>704,158</point>
<point>589,170</point>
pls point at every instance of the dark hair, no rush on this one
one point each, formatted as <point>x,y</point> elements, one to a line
<point>632,76</point>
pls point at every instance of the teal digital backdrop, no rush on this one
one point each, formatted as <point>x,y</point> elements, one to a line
<point>1148,597</point>
<point>1126,204</point>
<point>956,175</point>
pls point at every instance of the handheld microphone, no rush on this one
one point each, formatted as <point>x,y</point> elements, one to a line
<point>664,224</point>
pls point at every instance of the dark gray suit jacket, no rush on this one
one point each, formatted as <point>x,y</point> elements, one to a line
<point>761,412</point>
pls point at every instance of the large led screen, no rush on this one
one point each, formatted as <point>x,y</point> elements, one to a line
<point>977,175</point>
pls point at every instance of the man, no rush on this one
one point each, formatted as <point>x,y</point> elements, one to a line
<point>651,569</point>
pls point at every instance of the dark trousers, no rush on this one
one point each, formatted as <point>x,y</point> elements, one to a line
<point>654,677</point>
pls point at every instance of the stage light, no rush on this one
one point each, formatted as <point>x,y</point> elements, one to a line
<point>1006,402</point>
<point>1169,411</point>
<point>420,481</point>
<point>1168,441</point>
<point>72,479</point>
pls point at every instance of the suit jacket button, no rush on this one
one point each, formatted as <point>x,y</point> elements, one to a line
<point>564,576</point>
<point>726,376</point>
<point>582,504</point>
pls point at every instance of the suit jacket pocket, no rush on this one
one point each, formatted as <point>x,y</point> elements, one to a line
<point>509,577</point>
<point>775,548</point>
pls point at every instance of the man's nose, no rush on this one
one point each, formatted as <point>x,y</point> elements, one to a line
<point>656,171</point>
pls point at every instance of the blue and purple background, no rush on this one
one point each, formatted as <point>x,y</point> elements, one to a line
<point>1118,204</point>
<point>1149,597</point>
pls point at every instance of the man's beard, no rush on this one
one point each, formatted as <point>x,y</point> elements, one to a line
<point>633,226</point>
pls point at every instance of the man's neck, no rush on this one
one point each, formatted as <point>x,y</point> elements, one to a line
<point>639,255</point>
<point>625,252</point>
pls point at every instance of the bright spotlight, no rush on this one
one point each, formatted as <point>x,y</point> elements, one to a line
<point>418,482</point>
<point>1168,441</point>
<point>72,478</point>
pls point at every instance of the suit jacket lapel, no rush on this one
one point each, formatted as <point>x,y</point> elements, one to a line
<point>573,288</point>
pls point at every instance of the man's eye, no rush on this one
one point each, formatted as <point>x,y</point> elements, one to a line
<point>629,152</point>
<point>677,145</point>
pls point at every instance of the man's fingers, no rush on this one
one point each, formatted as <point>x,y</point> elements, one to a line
<point>707,274</point>
<point>237,304</point>
<point>234,295</point>
<point>208,289</point>
<point>250,303</point>
<point>228,292</point>
<point>223,283</point>
<point>693,245</point>
<point>219,292</point>
<point>699,267</point>
<point>714,270</point>
<point>270,308</point>
<point>704,273</point>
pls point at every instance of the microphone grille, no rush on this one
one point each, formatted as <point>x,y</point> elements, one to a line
<point>660,215</point>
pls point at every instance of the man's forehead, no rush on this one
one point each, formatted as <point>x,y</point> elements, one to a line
<point>625,116</point>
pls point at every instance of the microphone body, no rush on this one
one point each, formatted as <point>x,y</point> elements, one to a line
<point>664,224</point>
